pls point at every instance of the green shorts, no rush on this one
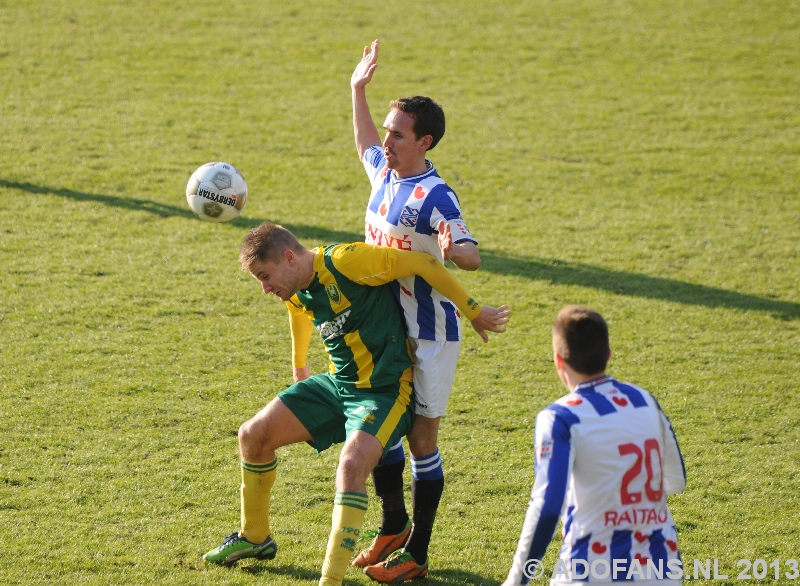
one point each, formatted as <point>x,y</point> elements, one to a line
<point>332,412</point>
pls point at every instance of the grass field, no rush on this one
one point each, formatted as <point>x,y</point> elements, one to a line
<point>640,157</point>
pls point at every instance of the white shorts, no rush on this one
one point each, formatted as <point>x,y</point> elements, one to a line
<point>434,371</point>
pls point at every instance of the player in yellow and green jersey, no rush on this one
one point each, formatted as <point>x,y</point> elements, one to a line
<point>366,398</point>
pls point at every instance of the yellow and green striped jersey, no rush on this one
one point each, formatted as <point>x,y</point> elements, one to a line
<point>356,314</point>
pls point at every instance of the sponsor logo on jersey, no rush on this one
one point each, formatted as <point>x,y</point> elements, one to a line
<point>365,408</point>
<point>409,216</point>
<point>333,292</point>
<point>369,418</point>
<point>333,329</point>
<point>546,449</point>
<point>378,238</point>
<point>636,516</point>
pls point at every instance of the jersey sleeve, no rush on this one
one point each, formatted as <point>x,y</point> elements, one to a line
<point>377,265</point>
<point>554,460</point>
<point>301,328</point>
<point>374,161</point>
<point>673,467</point>
<point>429,268</point>
<point>442,204</point>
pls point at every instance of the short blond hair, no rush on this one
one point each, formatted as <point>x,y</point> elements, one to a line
<point>267,242</point>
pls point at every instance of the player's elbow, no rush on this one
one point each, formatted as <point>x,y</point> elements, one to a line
<point>468,257</point>
<point>468,263</point>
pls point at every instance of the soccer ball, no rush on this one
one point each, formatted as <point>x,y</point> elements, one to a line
<point>216,192</point>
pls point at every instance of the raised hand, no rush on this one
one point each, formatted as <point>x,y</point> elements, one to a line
<point>366,67</point>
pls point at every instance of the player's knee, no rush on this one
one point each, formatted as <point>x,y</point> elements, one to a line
<point>352,472</point>
<point>422,446</point>
<point>252,436</point>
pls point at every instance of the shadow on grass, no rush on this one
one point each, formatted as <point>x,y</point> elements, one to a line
<point>439,576</point>
<point>552,270</point>
<point>323,235</point>
<point>559,272</point>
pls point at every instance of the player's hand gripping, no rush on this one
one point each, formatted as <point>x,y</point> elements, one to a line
<point>464,255</point>
<point>490,319</point>
<point>445,239</point>
<point>364,70</point>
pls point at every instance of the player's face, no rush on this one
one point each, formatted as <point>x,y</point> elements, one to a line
<point>281,278</point>
<point>403,151</point>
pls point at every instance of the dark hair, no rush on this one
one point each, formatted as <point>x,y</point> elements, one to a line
<point>428,116</point>
<point>267,242</point>
<point>580,337</point>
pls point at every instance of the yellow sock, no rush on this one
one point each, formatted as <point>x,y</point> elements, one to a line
<point>349,509</point>
<point>257,481</point>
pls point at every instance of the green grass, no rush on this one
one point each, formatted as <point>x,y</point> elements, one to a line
<point>639,157</point>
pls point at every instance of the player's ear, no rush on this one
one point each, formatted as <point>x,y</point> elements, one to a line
<point>426,142</point>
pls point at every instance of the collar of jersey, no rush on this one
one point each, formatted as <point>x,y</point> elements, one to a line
<point>319,264</point>
<point>589,385</point>
<point>319,258</point>
<point>415,178</point>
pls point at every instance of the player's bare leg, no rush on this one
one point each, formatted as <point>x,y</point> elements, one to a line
<point>387,479</point>
<point>271,428</point>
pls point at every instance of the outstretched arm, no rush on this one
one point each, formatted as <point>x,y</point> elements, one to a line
<point>364,129</point>
<point>377,265</point>
<point>483,318</point>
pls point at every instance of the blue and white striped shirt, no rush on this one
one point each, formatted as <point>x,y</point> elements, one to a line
<point>606,459</point>
<point>404,213</point>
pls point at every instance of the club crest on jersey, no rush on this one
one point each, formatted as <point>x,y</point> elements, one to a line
<point>409,216</point>
<point>333,292</point>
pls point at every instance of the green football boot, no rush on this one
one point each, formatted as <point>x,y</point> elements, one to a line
<point>235,548</point>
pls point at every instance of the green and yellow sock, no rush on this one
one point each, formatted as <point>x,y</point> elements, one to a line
<point>349,509</point>
<point>257,481</point>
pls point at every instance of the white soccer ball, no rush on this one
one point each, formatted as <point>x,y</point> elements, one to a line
<point>216,192</point>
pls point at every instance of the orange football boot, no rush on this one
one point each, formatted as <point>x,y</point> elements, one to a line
<point>381,547</point>
<point>398,567</point>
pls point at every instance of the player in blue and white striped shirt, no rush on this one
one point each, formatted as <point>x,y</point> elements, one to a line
<point>412,208</point>
<point>606,459</point>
